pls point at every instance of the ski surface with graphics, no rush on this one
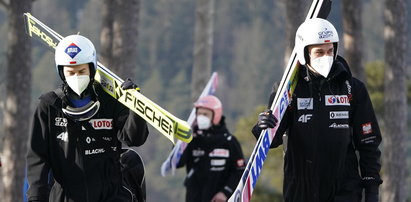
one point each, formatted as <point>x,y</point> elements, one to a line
<point>245,188</point>
<point>170,164</point>
<point>167,124</point>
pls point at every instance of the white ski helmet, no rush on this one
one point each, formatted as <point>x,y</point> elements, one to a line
<point>75,50</point>
<point>314,31</point>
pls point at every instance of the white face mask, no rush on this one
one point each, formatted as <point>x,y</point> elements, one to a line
<point>78,83</point>
<point>322,64</point>
<point>203,122</point>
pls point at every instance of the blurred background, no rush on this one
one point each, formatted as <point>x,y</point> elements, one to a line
<point>171,47</point>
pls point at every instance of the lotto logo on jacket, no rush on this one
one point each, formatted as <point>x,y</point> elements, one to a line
<point>225,153</point>
<point>99,124</point>
<point>333,100</point>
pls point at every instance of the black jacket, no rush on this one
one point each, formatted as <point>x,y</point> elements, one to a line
<point>83,156</point>
<point>327,122</point>
<point>214,163</point>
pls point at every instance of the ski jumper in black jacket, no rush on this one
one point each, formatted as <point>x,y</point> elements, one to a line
<point>214,163</point>
<point>327,122</point>
<point>83,156</point>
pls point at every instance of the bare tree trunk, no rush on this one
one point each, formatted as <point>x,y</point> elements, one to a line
<point>125,32</point>
<point>106,35</point>
<point>353,40</point>
<point>119,36</point>
<point>395,103</point>
<point>295,14</point>
<point>17,107</point>
<point>203,46</point>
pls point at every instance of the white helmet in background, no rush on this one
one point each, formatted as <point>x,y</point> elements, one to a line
<point>75,50</point>
<point>311,32</point>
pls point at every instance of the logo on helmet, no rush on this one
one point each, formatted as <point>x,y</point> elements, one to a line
<point>299,36</point>
<point>72,50</point>
<point>325,34</point>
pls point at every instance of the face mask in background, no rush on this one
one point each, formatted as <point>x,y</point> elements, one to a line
<point>203,122</point>
<point>322,65</point>
<point>78,83</point>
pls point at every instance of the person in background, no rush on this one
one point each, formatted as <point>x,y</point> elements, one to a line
<point>213,159</point>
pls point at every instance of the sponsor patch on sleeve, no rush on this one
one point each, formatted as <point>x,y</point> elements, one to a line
<point>240,162</point>
<point>366,128</point>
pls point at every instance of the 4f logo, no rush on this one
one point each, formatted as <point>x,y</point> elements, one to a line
<point>63,136</point>
<point>305,118</point>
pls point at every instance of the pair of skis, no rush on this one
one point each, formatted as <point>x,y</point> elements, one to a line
<point>245,188</point>
<point>166,123</point>
<point>170,164</point>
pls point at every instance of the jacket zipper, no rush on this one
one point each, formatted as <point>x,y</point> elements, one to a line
<point>79,151</point>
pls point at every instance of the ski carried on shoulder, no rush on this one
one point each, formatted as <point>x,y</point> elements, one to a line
<point>170,164</point>
<point>245,188</point>
<point>162,120</point>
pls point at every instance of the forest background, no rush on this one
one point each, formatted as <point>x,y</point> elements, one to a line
<point>249,44</point>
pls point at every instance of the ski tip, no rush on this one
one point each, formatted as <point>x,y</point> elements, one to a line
<point>184,134</point>
<point>325,9</point>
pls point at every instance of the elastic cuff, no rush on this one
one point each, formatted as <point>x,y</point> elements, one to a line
<point>372,189</point>
<point>227,191</point>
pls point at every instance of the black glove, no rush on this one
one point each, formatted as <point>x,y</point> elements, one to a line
<point>266,120</point>
<point>370,185</point>
<point>128,84</point>
<point>371,190</point>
